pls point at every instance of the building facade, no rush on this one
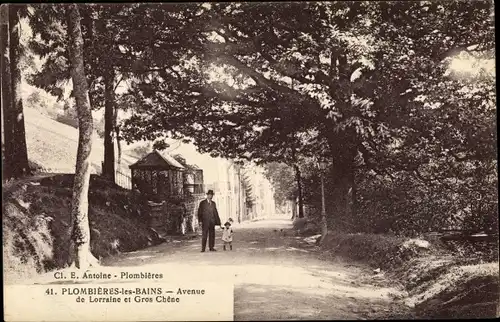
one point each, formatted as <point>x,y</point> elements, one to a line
<point>242,192</point>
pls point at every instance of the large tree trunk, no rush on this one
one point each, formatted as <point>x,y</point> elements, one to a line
<point>340,199</point>
<point>7,117</point>
<point>20,166</point>
<point>80,206</point>
<point>109,148</point>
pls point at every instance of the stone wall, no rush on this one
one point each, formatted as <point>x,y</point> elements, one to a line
<point>175,217</point>
<point>191,204</point>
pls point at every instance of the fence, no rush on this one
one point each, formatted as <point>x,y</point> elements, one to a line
<point>55,170</point>
<point>64,170</point>
<point>123,180</point>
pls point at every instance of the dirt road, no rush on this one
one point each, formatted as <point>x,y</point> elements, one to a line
<point>276,275</point>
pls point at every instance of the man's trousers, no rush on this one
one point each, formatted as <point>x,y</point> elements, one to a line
<point>208,230</point>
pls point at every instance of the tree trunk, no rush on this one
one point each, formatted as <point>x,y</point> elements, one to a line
<point>79,210</point>
<point>8,155</point>
<point>240,191</point>
<point>109,148</point>
<point>354,194</point>
<point>298,177</point>
<point>118,145</point>
<point>117,136</point>
<point>20,165</point>
<point>341,195</point>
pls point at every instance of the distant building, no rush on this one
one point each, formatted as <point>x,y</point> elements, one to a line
<point>242,192</point>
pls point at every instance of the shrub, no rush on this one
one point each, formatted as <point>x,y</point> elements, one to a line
<point>377,250</point>
<point>68,120</point>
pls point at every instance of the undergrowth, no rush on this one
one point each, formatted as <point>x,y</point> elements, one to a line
<point>441,281</point>
<point>36,222</point>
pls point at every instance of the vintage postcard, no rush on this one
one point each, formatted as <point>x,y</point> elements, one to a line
<point>219,161</point>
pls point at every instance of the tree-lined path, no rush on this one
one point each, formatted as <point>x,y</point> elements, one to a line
<point>276,275</point>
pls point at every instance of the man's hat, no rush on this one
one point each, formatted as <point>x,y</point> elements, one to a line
<point>210,192</point>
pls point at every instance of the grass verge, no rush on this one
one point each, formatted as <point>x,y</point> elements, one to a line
<point>437,282</point>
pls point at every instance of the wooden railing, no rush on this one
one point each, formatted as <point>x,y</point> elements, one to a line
<point>123,180</point>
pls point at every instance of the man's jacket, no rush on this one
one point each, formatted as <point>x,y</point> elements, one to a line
<point>208,213</point>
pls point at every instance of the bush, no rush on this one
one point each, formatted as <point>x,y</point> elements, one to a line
<point>376,250</point>
<point>402,204</point>
<point>299,223</point>
<point>68,120</point>
<point>43,102</point>
<point>306,226</point>
<point>379,251</point>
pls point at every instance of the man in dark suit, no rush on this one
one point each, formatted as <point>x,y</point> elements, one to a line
<point>208,217</point>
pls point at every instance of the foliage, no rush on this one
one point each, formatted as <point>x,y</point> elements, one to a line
<point>43,102</point>
<point>283,179</point>
<point>68,116</point>
<point>101,36</point>
<point>141,150</point>
<point>99,127</point>
<point>106,66</point>
<point>409,139</point>
<point>354,84</point>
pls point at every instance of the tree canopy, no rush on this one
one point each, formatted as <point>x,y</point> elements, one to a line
<point>392,92</point>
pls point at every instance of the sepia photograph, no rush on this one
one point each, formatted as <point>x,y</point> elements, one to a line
<point>244,161</point>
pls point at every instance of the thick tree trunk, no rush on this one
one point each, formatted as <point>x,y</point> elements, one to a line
<point>341,196</point>
<point>20,166</point>
<point>109,146</point>
<point>79,210</point>
<point>298,177</point>
<point>6,95</point>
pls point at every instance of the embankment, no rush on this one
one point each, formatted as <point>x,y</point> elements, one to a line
<point>437,281</point>
<point>36,223</point>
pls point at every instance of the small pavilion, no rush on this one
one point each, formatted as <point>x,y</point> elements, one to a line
<point>158,175</point>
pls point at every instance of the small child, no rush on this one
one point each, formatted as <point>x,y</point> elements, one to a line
<point>227,234</point>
